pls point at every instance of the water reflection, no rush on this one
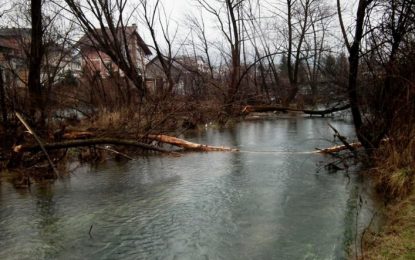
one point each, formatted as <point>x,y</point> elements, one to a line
<point>260,203</point>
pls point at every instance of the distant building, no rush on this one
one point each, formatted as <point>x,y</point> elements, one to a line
<point>186,74</point>
<point>58,60</point>
<point>155,77</point>
<point>96,61</point>
<point>13,60</point>
<point>193,63</point>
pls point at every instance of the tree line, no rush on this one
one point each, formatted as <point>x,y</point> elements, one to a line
<point>208,63</point>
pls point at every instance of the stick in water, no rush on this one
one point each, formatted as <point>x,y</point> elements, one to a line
<point>90,229</point>
<point>20,117</point>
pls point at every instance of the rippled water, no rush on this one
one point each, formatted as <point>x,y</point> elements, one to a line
<point>265,202</point>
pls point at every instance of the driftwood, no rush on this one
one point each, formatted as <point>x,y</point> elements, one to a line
<point>249,109</point>
<point>188,145</point>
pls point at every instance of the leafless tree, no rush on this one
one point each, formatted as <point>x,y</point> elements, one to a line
<point>152,17</point>
<point>353,48</point>
<point>384,40</point>
<point>227,16</point>
<point>112,36</point>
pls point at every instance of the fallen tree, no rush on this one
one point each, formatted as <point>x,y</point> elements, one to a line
<point>188,145</point>
<point>88,142</point>
<point>165,139</point>
<point>339,148</point>
<point>349,146</point>
<point>263,108</point>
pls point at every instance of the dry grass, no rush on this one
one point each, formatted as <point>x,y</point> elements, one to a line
<point>397,240</point>
<point>395,179</point>
<point>396,166</point>
<point>110,119</point>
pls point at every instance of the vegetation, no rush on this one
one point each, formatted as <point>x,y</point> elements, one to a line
<point>72,68</point>
<point>397,236</point>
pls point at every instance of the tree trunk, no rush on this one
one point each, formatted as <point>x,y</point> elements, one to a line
<point>354,52</point>
<point>189,145</point>
<point>87,142</point>
<point>35,63</point>
<point>3,106</point>
<point>249,109</point>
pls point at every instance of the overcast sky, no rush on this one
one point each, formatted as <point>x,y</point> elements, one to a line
<point>178,9</point>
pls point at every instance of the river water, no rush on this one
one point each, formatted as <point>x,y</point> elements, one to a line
<point>269,201</point>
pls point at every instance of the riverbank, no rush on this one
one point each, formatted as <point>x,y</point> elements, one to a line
<point>394,174</point>
<point>396,239</point>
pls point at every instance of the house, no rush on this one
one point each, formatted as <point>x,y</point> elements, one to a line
<point>155,77</point>
<point>193,63</point>
<point>14,49</point>
<point>95,60</point>
<point>187,74</point>
<point>59,62</point>
<point>13,61</point>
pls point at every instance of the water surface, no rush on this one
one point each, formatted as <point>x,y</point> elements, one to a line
<point>269,201</point>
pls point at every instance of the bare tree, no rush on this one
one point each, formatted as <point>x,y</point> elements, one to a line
<point>294,52</point>
<point>230,27</point>
<point>112,38</point>
<point>151,17</point>
<point>353,48</point>
<point>320,19</point>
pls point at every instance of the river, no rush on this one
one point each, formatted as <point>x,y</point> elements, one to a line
<point>272,200</point>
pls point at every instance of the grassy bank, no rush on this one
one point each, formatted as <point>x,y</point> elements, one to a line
<point>395,177</point>
<point>396,239</point>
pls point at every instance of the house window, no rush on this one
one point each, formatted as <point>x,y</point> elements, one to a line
<point>108,67</point>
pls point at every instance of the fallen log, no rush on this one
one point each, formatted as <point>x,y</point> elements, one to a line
<point>189,145</point>
<point>88,142</point>
<point>339,148</point>
<point>248,109</point>
<point>78,135</point>
<point>344,141</point>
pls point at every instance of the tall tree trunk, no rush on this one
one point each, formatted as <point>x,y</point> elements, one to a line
<point>236,59</point>
<point>354,51</point>
<point>3,100</point>
<point>35,62</point>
